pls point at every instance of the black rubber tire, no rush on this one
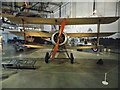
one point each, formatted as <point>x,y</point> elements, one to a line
<point>46,57</point>
<point>95,49</point>
<point>71,58</point>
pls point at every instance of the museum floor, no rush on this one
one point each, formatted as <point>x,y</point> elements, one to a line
<point>84,73</point>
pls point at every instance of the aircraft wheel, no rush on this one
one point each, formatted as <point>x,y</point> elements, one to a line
<point>100,62</point>
<point>71,58</point>
<point>95,49</point>
<point>46,57</point>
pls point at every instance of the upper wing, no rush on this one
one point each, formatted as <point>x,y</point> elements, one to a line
<point>90,34</point>
<point>58,21</point>
<point>36,34</point>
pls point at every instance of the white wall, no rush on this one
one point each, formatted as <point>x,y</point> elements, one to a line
<point>81,9</point>
<point>84,9</point>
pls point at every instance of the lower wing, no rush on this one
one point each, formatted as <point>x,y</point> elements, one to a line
<point>38,46</point>
<point>67,47</point>
<point>80,47</point>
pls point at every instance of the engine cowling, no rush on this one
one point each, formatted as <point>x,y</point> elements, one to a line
<point>63,38</point>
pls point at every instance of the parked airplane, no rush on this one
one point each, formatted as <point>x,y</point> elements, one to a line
<point>59,38</point>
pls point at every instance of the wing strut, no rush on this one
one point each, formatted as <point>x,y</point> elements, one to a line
<point>98,32</point>
<point>24,30</point>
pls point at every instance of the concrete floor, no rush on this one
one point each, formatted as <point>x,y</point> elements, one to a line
<point>84,73</point>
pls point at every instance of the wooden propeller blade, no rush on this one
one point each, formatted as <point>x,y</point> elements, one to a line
<point>62,27</point>
<point>55,49</point>
<point>57,44</point>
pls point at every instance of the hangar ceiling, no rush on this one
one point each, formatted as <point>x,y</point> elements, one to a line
<point>68,10</point>
<point>40,9</point>
<point>29,9</point>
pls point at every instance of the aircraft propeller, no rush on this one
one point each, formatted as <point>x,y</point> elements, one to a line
<point>58,40</point>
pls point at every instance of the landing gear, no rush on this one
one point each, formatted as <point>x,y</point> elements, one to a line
<point>47,57</point>
<point>71,58</point>
<point>100,62</point>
